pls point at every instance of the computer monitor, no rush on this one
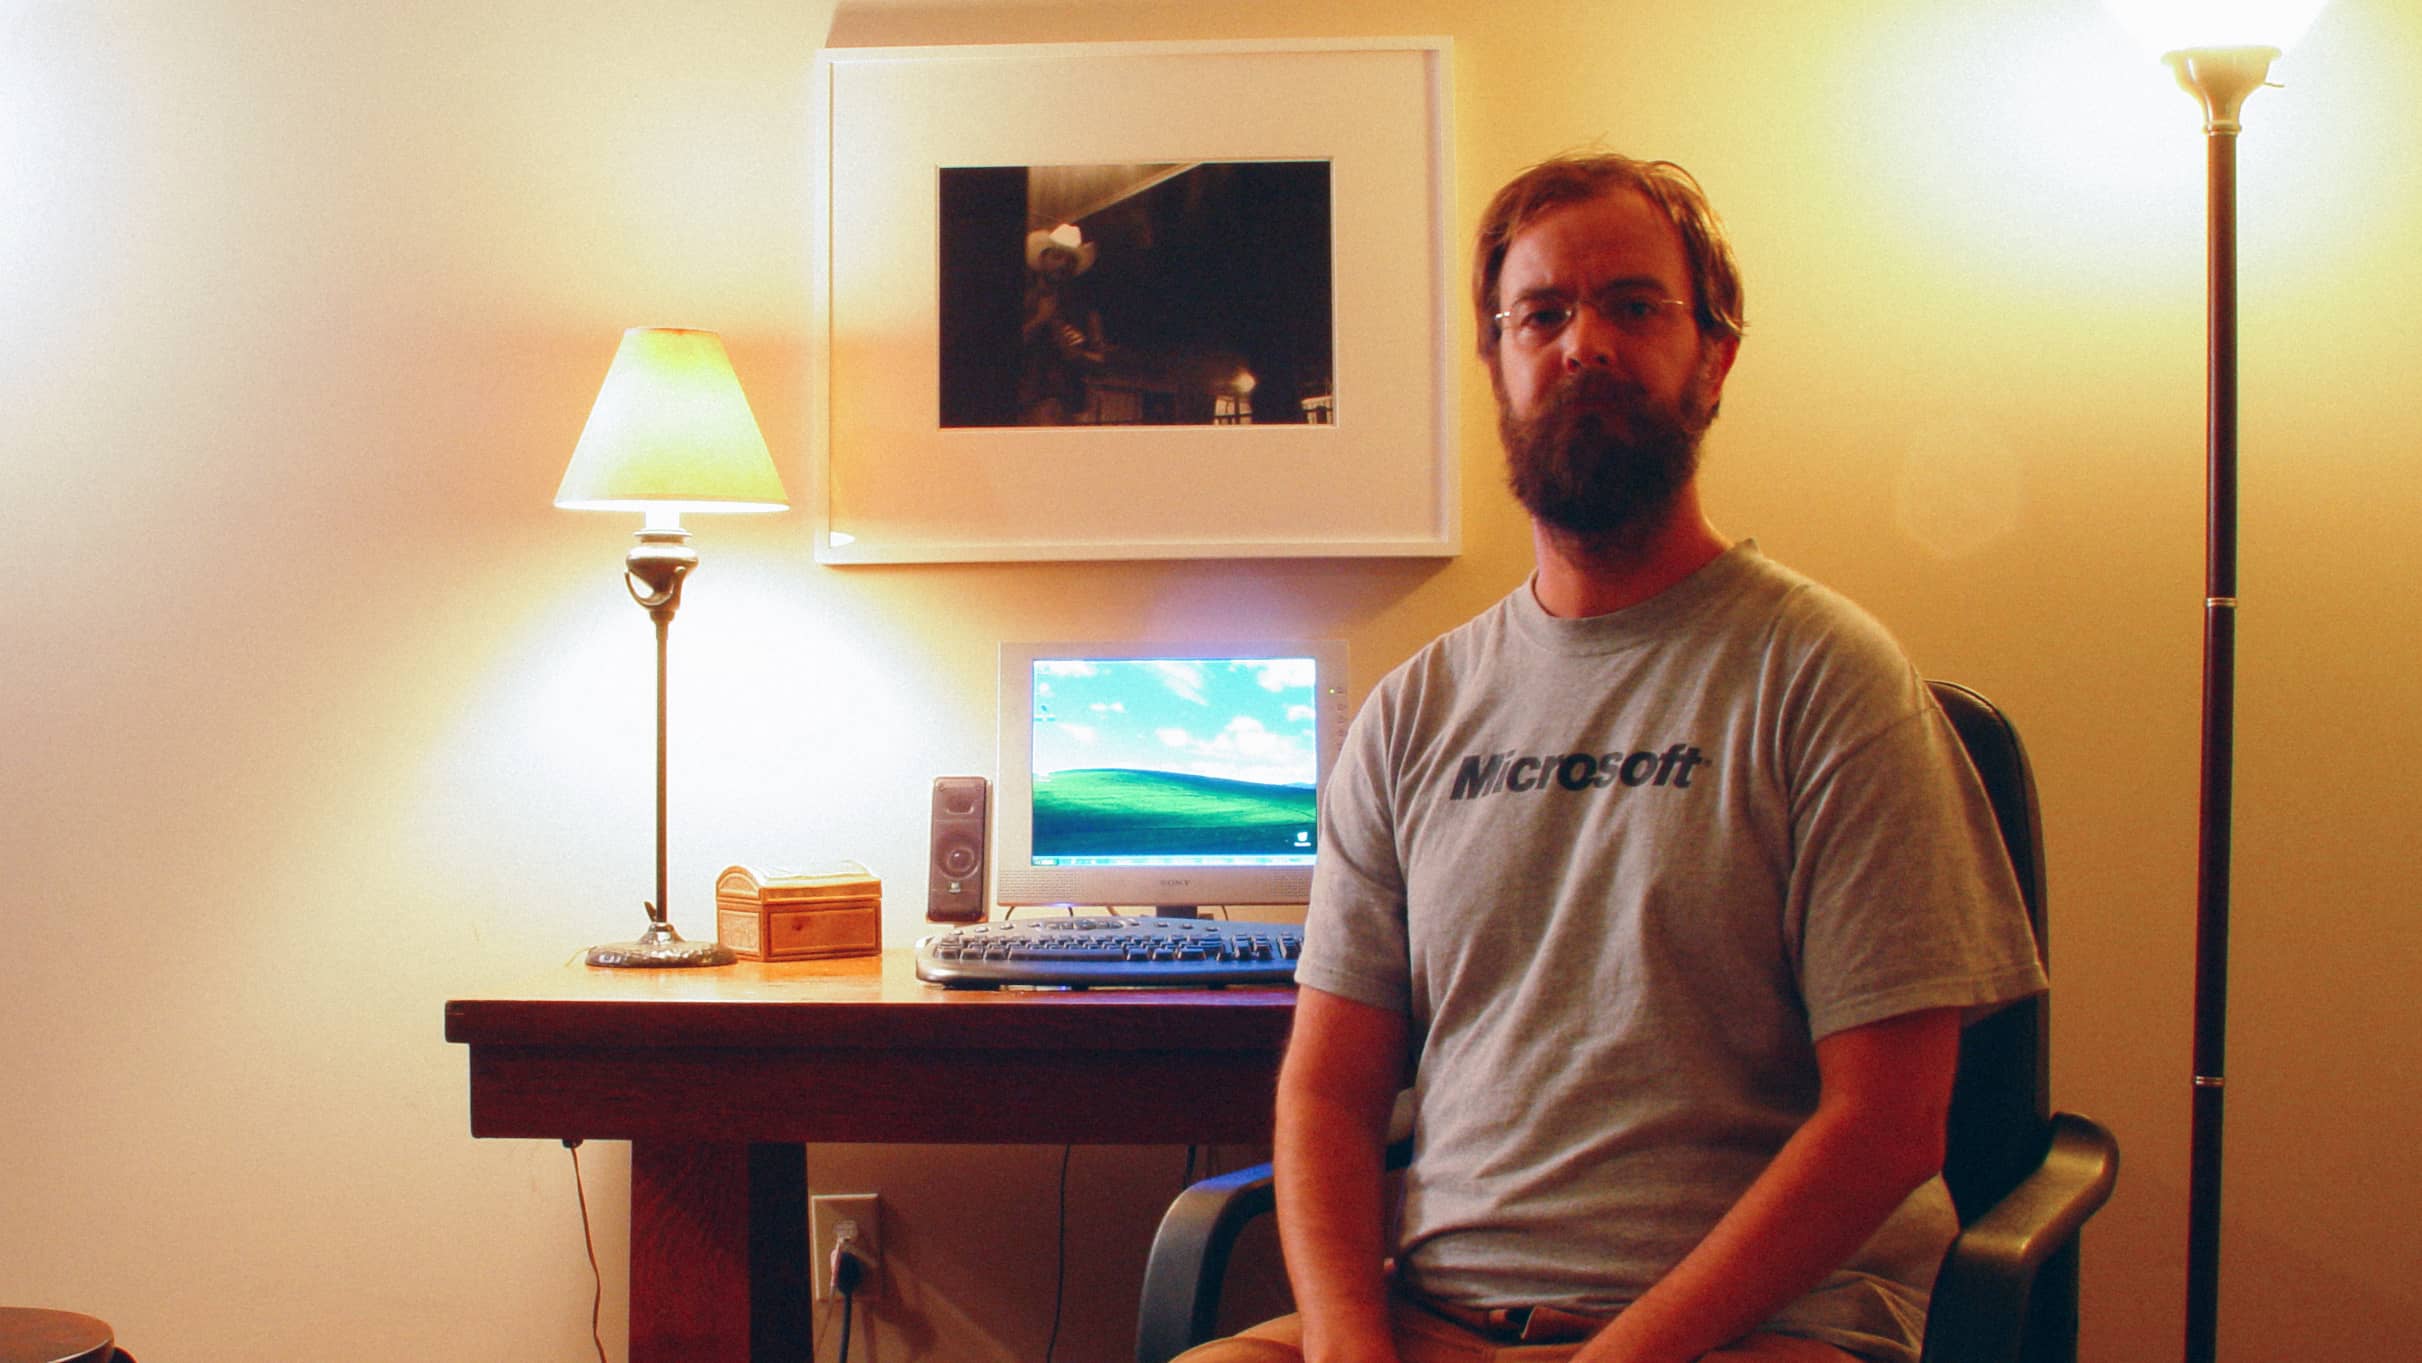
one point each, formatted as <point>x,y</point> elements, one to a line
<point>1166,776</point>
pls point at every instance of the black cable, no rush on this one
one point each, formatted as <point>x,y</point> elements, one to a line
<point>1059,1276</point>
<point>848,1272</point>
<point>597,1299</point>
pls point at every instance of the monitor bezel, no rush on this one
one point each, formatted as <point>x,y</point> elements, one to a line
<point>1018,883</point>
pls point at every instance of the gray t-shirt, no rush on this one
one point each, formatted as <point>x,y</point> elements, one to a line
<point>1622,873</point>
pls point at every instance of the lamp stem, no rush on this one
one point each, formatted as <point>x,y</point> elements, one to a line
<point>660,562</point>
<point>2222,78</point>
<point>663,907</point>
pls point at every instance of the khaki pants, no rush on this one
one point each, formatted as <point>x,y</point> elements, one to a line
<point>1425,1337</point>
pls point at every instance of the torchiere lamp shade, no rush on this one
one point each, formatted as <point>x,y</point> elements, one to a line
<point>2166,26</point>
<point>671,431</point>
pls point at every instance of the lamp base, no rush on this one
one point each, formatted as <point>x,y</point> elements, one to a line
<point>661,947</point>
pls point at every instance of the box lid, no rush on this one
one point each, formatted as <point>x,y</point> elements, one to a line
<point>833,880</point>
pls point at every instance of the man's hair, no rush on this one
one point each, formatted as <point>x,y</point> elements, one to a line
<point>1580,178</point>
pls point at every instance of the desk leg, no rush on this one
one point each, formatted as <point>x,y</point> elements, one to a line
<point>718,1253</point>
<point>778,1252</point>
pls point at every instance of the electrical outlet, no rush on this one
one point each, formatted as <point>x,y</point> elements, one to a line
<point>826,1216</point>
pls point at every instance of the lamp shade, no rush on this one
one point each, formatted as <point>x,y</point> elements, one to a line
<point>671,431</point>
<point>2166,26</point>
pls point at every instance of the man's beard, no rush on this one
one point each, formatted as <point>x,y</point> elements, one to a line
<point>1601,461</point>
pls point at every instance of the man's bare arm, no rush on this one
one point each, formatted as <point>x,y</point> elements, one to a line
<point>1876,1135</point>
<point>1344,1063</point>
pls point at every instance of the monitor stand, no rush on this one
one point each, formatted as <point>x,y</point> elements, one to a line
<point>1176,911</point>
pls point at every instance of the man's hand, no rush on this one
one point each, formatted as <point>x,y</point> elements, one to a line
<point>1344,1063</point>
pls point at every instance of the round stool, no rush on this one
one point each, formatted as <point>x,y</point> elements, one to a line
<point>30,1336</point>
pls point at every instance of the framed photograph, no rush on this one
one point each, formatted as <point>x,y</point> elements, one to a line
<point>1134,300</point>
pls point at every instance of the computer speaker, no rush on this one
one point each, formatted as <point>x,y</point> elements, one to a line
<point>954,884</point>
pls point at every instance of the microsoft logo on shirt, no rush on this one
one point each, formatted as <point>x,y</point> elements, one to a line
<point>1513,770</point>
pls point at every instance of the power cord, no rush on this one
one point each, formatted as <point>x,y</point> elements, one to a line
<point>588,1239</point>
<point>1059,1277</point>
<point>849,1269</point>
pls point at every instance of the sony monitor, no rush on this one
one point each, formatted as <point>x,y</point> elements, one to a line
<point>1167,776</point>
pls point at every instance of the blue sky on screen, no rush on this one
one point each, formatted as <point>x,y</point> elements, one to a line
<point>1241,720</point>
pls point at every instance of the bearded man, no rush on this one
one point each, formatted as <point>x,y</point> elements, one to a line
<point>1663,880</point>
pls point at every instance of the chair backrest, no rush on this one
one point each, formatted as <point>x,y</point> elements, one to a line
<point>2001,1103</point>
<point>2000,1109</point>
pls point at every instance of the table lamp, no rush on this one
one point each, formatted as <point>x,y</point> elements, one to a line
<point>2221,51</point>
<point>671,432</point>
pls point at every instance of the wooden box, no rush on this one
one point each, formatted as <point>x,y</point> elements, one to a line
<point>783,915</point>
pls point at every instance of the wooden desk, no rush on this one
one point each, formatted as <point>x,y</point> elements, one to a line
<point>717,1076</point>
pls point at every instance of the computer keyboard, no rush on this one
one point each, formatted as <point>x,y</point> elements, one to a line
<point>1105,952</point>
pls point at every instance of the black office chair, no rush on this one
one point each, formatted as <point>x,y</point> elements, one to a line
<point>2024,1178</point>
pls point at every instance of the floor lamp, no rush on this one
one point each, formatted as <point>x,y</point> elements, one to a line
<point>671,432</point>
<point>2221,51</point>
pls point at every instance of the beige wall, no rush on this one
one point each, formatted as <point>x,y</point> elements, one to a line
<point>318,713</point>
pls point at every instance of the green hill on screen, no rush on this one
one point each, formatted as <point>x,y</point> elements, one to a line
<point>1121,812</point>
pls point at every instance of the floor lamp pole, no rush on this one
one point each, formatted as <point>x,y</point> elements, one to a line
<point>2219,729</point>
<point>2221,78</point>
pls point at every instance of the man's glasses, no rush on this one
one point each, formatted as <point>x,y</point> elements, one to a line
<point>1538,319</point>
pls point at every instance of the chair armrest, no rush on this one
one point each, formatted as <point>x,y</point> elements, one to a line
<point>1980,1296</point>
<point>1189,1260</point>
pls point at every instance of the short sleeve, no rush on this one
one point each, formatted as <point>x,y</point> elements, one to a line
<point>1355,942</point>
<point>1901,895</point>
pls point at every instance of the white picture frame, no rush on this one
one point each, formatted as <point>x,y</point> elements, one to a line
<point>891,483</point>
